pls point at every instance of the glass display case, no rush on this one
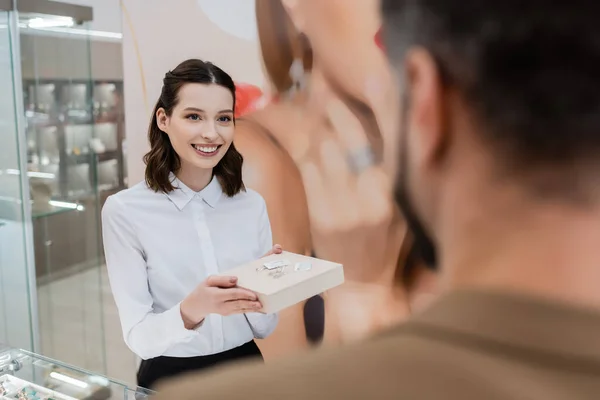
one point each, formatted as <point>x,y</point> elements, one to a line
<point>28,376</point>
<point>61,155</point>
<point>68,138</point>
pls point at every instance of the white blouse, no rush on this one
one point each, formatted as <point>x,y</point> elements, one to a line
<point>159,247</point>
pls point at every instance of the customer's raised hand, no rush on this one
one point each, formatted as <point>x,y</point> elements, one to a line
<point>352,217</point>
<point>217,295</point>
<point>353,221</point>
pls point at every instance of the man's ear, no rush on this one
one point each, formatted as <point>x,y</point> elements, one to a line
<point>294,10</point>
<point>426,96</point>
<point>162,120</point>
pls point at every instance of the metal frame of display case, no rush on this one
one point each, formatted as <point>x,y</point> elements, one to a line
<point>26,328</point>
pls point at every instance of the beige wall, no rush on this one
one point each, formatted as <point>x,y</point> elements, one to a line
<point>159,34</point>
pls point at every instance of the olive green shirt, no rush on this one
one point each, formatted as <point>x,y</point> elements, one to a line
<point>468,345</point>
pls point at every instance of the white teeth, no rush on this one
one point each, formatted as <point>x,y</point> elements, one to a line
<point>205,149</point>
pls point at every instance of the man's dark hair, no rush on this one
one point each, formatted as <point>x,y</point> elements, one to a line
<point>528,69</point>
<point>162,159</point>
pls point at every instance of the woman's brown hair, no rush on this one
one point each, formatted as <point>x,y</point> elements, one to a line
<point>162,159</point>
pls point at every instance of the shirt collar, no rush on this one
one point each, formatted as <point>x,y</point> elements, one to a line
<point>515,320</point>
<point>181,195</point>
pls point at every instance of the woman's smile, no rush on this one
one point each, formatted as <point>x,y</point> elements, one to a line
<point>205,150</point>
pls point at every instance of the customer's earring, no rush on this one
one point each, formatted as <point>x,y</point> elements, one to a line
<point>297,75</point>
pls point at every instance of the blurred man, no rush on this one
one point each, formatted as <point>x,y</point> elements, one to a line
<point>499,177</point>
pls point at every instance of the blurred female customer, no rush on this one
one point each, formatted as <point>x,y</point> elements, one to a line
<point>329,136</point>
<point>167,238</point>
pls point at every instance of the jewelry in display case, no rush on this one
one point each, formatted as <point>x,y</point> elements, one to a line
<point>29,376</point>
<point>16,388</point>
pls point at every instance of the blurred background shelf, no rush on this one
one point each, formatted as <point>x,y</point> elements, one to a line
<point>75,134</point>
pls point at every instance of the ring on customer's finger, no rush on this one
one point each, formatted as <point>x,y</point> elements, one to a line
<point>361,159</point>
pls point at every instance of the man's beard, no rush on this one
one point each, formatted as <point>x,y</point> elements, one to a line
<point>423,243</point>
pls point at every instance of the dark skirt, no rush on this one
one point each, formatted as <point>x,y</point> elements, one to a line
<point>155,369</point>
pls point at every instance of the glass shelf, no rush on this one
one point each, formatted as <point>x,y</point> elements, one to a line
<point>39,377</point>
<point>48,211</point>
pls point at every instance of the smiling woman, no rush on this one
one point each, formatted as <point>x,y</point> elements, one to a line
<point>191,133</point>
<point>167,238</point>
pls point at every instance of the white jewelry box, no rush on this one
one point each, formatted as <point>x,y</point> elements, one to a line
<point>282,280</point>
